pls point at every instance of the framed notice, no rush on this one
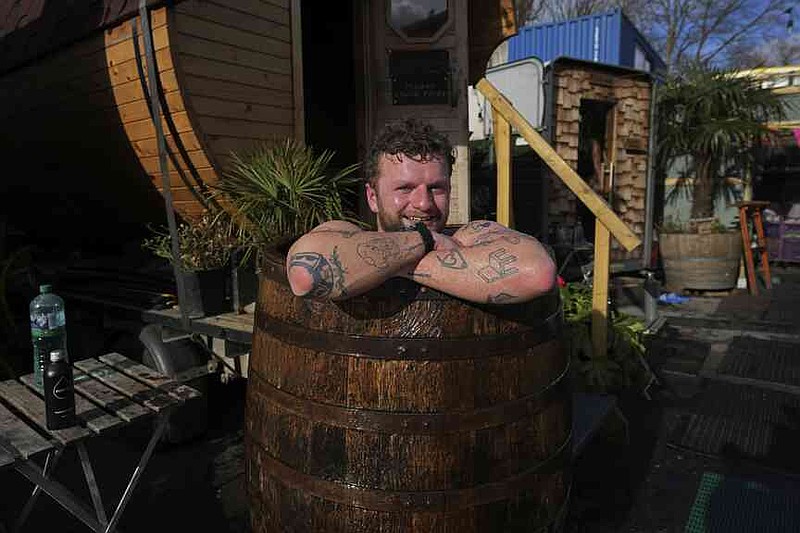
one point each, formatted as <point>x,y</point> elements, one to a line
<point>420,77</point>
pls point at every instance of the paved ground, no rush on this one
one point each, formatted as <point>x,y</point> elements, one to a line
<point>728,409</point>
<point>728,406</point>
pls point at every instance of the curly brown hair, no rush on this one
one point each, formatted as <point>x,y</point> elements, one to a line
<point>413,138</point>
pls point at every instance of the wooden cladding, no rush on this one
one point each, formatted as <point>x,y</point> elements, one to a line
<point>226,82</point>
<point>235,62</point>
<point>628,96</point>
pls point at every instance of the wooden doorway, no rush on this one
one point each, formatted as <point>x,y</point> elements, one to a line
<point>413,61</point>
<point>595,155</point>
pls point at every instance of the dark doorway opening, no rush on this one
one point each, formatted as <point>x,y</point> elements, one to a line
<point>593,155</point>
<point>329,86</point>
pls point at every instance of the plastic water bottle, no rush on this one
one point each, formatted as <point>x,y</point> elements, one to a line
<point>59,394</point>
<point>48,329</point>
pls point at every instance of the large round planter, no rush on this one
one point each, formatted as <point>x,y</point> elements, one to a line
<point>405,410</point>
<point>701,262</point>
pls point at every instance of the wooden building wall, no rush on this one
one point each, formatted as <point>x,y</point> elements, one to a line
<point>78,117</point>
<point>236,68</point>
<point>631,94</point>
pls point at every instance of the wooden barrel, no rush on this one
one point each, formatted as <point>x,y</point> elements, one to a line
<point>75,119</point>
<point>703,262</point>
<point>405,410</point>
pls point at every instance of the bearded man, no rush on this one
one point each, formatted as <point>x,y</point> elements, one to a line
<point>408,188</point>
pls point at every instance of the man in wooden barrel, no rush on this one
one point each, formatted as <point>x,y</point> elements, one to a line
<point>408,187</point>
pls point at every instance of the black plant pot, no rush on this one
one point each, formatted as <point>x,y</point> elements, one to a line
<point>244,282</point>
<point>206,292</point>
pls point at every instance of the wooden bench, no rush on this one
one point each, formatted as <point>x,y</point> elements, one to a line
<point>110,392</point>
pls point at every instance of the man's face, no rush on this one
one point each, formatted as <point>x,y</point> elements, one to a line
<point>408,191</point>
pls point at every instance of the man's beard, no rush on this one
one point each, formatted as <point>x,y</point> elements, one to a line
<point>386,223</point>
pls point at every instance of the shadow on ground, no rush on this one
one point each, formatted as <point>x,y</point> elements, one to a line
<point>608,474</point>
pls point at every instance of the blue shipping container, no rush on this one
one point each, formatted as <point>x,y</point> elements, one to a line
<point>605,38</point>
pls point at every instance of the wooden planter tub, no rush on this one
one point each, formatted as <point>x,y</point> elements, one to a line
<point>75,121</point>
<point>405,410</point>
<point>702,262</point>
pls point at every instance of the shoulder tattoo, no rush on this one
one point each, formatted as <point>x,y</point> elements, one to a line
<point>320,270</point>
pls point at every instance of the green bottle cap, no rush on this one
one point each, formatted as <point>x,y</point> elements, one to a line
<point>44,289</point>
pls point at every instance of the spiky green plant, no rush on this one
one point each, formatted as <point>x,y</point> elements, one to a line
<point>622,367</point>
<point>712,118</point>
<point>284,189</point>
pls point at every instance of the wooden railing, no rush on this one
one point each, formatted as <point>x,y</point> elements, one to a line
<point>505,116</point>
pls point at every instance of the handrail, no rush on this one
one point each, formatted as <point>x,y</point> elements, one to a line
<point>576,184</point>
<point>506,116</point>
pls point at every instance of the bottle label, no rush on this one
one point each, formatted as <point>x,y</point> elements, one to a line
<point>47,323</point>
<point>62,388</point>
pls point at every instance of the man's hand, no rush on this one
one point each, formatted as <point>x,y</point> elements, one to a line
<point>442,242</point>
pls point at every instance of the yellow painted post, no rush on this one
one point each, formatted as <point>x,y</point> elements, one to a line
<point>576,184</point>
<point>602,250</point>
<point>502,150</point>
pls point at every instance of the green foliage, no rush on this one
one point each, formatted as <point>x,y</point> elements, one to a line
<point>712,119</point>
<point>205,244</point>
<point>674,225</point>
<point>283,190</point>
<point>622,367</point>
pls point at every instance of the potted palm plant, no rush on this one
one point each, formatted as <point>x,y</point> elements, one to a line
<point>281,190</point>
<point>708,120</point>
<point>205,247</point>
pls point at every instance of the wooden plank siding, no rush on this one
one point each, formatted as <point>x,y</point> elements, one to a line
<point>226,73</point>
<point>631,94</point>
<point>235,62</point>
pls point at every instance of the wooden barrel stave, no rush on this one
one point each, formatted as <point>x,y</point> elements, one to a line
<point>701,261</point>
<point>381,437</point>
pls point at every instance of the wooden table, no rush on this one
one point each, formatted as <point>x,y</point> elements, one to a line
<point>229,326</point>
<point>111,391</point>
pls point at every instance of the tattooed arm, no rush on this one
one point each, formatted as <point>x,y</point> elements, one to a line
<point>488,264</point>
<point>337,260</point>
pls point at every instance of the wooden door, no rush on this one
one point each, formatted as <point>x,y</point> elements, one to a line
<point>415,63</point>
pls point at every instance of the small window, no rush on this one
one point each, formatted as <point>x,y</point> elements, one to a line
<point>421,20</point>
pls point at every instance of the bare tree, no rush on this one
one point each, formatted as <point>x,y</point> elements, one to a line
<point>689,32</point>
<point>529,11</point>
<point>707,32</point>
<point>780,51</point>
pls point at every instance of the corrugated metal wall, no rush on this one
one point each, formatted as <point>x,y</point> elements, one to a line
<point>593,38</point>
<point>604,37</point>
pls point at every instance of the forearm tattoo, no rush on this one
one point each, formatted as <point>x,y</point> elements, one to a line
<point>381,251</point>
<point>493,236</point>
<point>452,259</point>
<point>501,298</point>
<point>338,272</point>
<point>477,226</point>
<point>500,266</point>
<point>344,233</point>
<point>320,270</point>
